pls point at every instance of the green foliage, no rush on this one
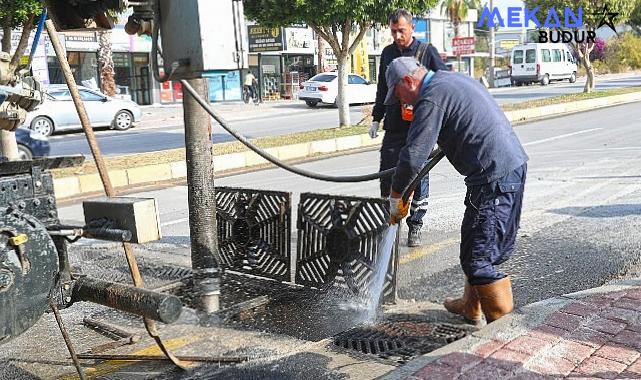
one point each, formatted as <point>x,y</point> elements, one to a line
<point>623,52</point>
<point>591,9</point>
<point>17,12</point>
<point>328,13</point>
<point>456,10</point>
<point>635,18</point>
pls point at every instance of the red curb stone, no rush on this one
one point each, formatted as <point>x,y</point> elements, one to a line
<point>527,345</point>
<point>621,315</point>
<point>486,349</point>
<point>552,365</point>
<point>602,368</point>
<point>485,371</point>
<point>573,351</point>
<point>628,338</point>
<point>435,371</point>
<point>615,295</point>
<point>547,333</point>
<point>563,321</point>
<point>606,326</point>
<point>460,361</point>
<point>628,303</point>
<point>598,301</point>
<point>625,375</point>
<point>621,354</point>
<point>589,337</point>
<point>508,359</point>
<point>580,309</point>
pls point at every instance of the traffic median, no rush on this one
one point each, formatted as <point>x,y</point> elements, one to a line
<point>231,157</point>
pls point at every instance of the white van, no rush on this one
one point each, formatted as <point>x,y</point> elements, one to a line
<point>536,62</point>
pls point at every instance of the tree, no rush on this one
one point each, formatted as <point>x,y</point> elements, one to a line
<point>16,14</point>
<point>635,18</point>
<point>593,14</point>
<point>342,23</point>
<point>106,61</point>
<point>456,11</point>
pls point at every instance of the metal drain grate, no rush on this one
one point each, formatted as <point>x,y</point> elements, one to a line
<point>399,340</point>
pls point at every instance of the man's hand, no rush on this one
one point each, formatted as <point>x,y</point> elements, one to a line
<point>373,130</point>
<point>397,207</point>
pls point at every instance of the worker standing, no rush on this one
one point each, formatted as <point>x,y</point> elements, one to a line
<point>398,116</point>
<point>459,114</point>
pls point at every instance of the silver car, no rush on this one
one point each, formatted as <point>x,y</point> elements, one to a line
<point>58,113</point>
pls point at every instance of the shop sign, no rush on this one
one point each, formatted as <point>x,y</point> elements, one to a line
<point>262,39</point>
<point>297,39</point>
<point>81,41</point>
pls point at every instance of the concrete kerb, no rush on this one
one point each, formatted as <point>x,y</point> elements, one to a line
<point>68,187</point>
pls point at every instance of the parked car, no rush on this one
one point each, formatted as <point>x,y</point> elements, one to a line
<point>543,63</point>
<point>31,144</point>
<point>58,113</point>
<point>323,88</point>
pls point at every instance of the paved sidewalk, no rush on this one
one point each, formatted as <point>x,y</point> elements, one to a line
<point>594,333</point>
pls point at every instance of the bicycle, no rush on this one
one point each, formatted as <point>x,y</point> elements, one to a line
<point>247,95</point>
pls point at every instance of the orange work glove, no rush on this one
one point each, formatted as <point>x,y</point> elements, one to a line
<point>398,208</point>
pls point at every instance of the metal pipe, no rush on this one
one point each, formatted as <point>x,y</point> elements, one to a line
<point>104,175</point>
<point>201,198</point>
<point>67,338</point>
<point>160,307</point>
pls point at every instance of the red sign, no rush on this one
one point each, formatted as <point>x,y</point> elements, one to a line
<point>463,45</point>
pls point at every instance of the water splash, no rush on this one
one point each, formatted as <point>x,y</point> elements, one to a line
<point>376,286</point>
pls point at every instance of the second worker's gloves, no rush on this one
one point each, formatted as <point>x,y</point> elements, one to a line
<point>373,130</point>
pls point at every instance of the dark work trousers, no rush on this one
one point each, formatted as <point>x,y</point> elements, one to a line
<point>390,150</point>
<point>491,221</point>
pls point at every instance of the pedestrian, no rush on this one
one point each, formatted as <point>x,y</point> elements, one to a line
<point>460,115</point>
<point>398,116</point>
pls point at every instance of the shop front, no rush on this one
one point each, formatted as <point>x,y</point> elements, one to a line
<point>132,64</point>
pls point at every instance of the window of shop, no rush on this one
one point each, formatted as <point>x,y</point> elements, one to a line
<point>224,86</point>
<point>84,67</point>
<point>122,69</point>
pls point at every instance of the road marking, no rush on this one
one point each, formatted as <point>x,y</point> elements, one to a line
<point>176,130</point>
<point>172,222</point>
<point>561,136</point>
<point>418,252</point>
<point>111,366</point>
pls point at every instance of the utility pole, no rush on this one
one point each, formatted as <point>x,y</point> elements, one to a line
<point>492,47</point>
<point>202,199</point>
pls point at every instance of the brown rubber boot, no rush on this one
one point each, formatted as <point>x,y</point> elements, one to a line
<point>496,298</point>
<point>468,306</point>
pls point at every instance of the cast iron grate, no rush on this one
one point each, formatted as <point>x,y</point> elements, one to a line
<point>254,231</point>
<point>338,243</point>
<point>399,340</point>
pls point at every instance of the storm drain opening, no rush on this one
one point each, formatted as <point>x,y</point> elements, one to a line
<point>399,340</point>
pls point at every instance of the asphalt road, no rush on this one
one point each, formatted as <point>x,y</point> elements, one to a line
<point>283,118</point>
<point>581,217</point>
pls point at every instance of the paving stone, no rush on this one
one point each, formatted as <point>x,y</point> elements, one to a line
<point>486,349</point>
<point>551,365</point>
<point>628,338</point>
<point>580,309</point>
<point>486,370</point>
<point>634,293</point>
<point>528,345</point>
<point>573,351</point>
<point>619,353</point>
<point>621,315</point>
<point>547,333</point>
<point>461,361</point>
<point>568,322</point>
<point>579,376</point>
<point>599,301</point>
<point>589,337</point>
<point>628,303</point>
<point>508,359</point>
<point>606,326</point>
<point>600,367</point>
<point>434,371</point>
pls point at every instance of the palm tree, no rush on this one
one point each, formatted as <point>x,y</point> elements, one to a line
<point>106,61</point>
<point>456,11</point>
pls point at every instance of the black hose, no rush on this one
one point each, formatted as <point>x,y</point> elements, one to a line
<point>435,157</point>
<point>276,161</point>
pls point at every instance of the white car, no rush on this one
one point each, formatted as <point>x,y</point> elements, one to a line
<point>58,113</point>
<point>323,88</point>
